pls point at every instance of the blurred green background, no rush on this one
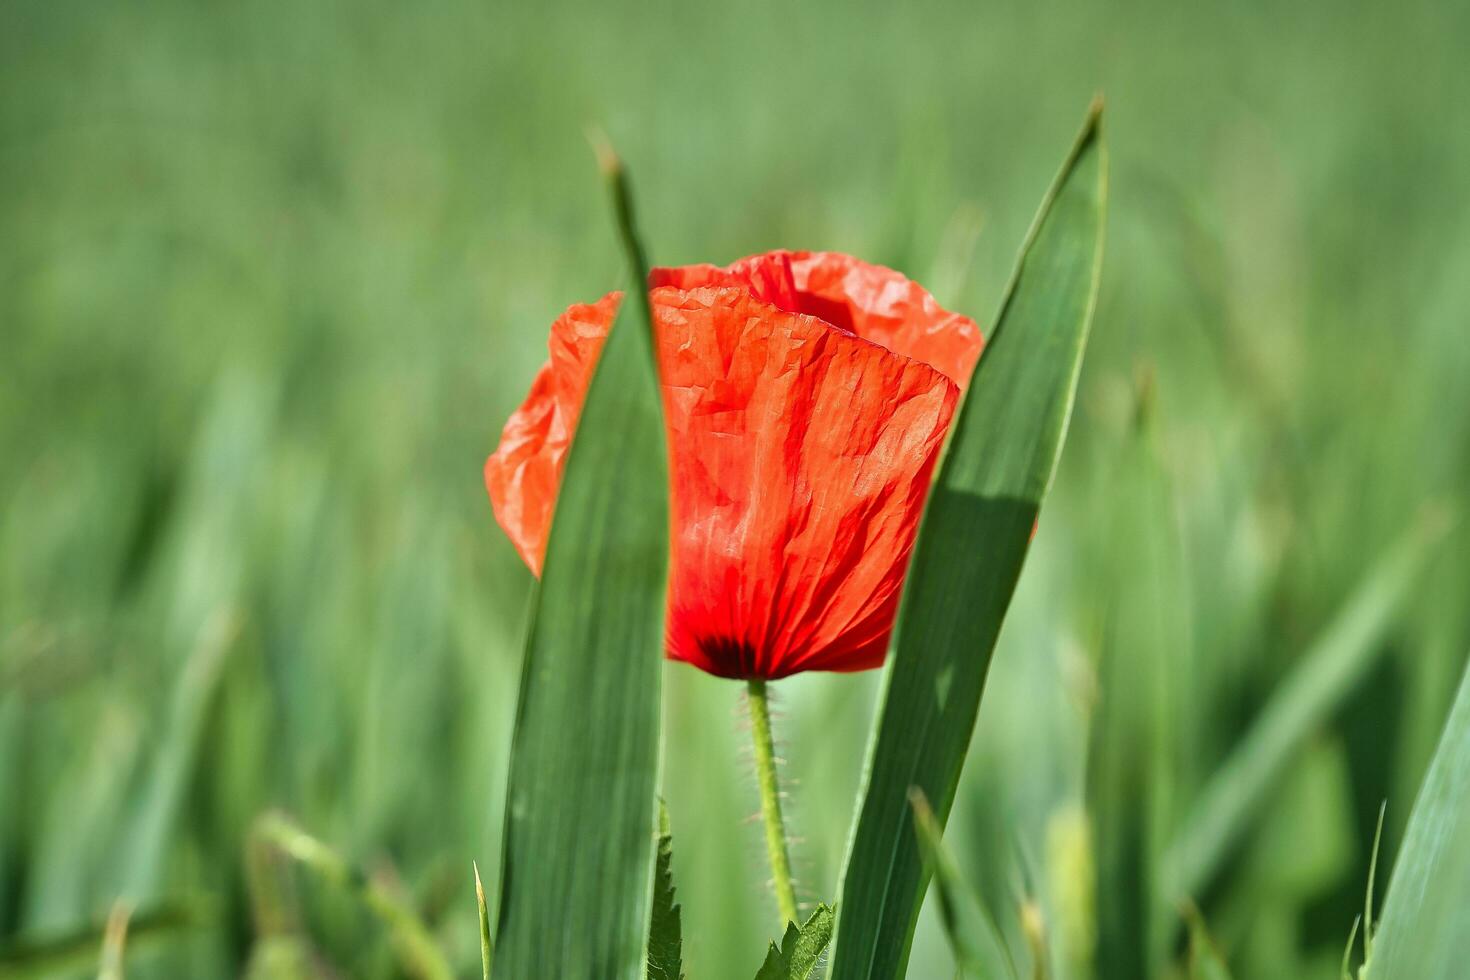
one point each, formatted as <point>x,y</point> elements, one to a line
<point>272,276</point>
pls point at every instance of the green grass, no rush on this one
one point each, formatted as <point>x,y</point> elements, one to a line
<point>272,276</point>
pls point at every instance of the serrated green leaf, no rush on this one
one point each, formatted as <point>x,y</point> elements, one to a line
<point>978,947</point>
<point>665,934</point>
<point>1234,797</point>
<point>800,949</point>
<point>576,889</point>
<point>1424,933</point>
<point>977,526</point>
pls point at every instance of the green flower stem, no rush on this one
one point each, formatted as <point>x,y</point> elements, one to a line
<point>765,771</point>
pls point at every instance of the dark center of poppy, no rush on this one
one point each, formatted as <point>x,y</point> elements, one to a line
<point>730,657</point>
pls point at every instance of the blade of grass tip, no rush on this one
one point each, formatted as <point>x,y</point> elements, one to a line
<point>973,937</point>
<point>1205,960</point>
<point>1347,951</point>
<point>1002,452</point>
<point>268,880</point>
<point>576,888</point>
<point>279,949</point>
<point>1241,788</point>
<point>418,951</point>
<point>114,942</point>
<point>1424,932</point>
<point>616,176</point>
<point>1368,894</point>
<point>487,947</point>
<point>1033,927</point>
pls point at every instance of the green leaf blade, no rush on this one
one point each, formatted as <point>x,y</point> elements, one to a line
<point>1424,933</point>
<point>977,527</point>
<point>576,885</point>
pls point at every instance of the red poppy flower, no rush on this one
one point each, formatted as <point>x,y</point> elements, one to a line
<point>806,396</point>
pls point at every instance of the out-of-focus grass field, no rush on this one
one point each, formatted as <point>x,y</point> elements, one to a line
<point>273,274</point>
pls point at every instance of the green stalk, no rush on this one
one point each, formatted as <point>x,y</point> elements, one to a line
<point>765,771</point>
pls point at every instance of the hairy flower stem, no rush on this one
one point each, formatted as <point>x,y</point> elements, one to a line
<point>765,772</point>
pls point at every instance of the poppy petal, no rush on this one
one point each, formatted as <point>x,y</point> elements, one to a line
<point>525,471</point>
<point>767,277</point>
<point>888,308</point>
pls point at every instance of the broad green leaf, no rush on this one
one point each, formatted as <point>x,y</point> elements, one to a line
<point>1002,452</point>
<point>576,884</point>
<point>800,949</point>
<point>665,935</point>
<point>973,937</point>
<point>1232,800</point>
<point>1425,929</point>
